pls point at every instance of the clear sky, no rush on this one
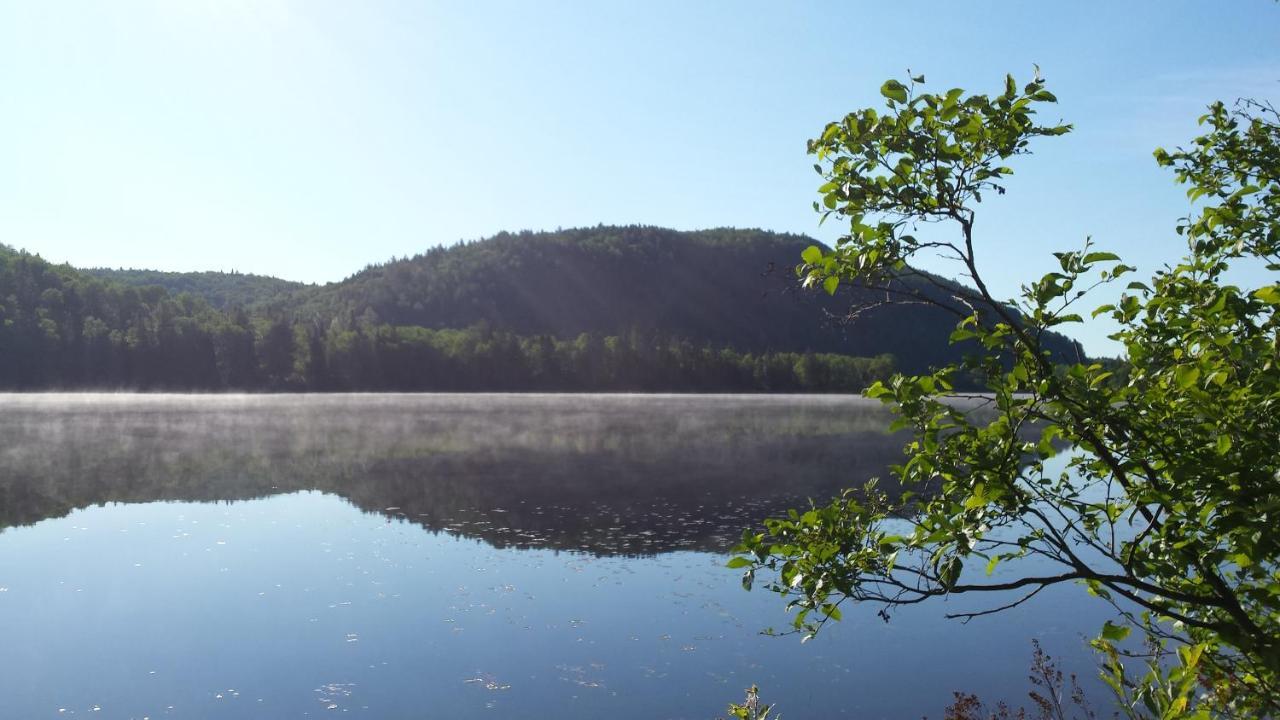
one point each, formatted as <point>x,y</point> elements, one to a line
<point>306,139</point>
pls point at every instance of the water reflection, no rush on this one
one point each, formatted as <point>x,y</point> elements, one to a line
<point>607,475</point>
<point>269,594</point>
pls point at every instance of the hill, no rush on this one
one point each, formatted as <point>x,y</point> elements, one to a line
<point>220,289</point>
<point>605,308</point>
<point>726,287</point>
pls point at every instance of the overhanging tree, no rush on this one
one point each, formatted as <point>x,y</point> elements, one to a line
<point>1170,501</point>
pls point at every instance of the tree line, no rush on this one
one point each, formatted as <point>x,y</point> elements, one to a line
<point>60,328</point>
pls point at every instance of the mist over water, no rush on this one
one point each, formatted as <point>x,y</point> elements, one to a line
<point>447,556</point>
<point>596,473</point>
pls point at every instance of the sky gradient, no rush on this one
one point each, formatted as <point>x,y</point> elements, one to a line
<point>308,139</point>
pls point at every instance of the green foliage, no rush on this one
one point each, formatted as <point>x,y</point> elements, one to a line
<point>926,159</point>
<point>1169,501</point>
<point>223,291</point>
<point>716,287</point>
<point>655,310</point>
<point>1167,688</point>
<point>751,708</point>
<point>60,328</point>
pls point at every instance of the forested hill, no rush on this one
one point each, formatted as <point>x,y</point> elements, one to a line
<point>726,287</point>
<point>710,286</point>
<point>222,290</point>
<point>606,308</point>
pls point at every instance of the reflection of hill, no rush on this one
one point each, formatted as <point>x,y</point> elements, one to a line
<point>601,474</point>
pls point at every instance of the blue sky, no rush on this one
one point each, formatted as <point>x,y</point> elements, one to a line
<point>307,139</point>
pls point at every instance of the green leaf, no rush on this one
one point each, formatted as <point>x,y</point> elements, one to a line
<point>830,284</point>
<point>811,255</point>
<point>949,573</point>
<point>991,564</point>
<point>1094,257</point>
<point>1269,295</point>
<point>1115,633</point>
<point>1224,444</point>
<point>1186,376</point>
<point>894,90</point>
<point>1096,589</point>
<point>738,562</point>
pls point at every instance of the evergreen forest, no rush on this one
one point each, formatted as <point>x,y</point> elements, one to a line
<point>614,309</point>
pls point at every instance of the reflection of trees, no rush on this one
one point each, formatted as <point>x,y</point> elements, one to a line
<point>600,474</point>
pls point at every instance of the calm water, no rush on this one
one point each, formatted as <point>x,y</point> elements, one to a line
<point>451,556</point>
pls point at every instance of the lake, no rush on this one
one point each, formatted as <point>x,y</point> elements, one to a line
<point>454,556</point>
